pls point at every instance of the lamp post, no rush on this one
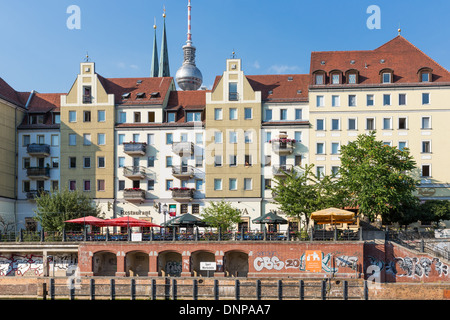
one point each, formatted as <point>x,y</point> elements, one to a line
<point>164,208</point>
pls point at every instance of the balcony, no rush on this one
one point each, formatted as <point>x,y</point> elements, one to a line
<point>182,194</point>
<point>134,195</point>
<point>183,172</point>
<point>38,150</point>
<point>281,169</point>
<point>135,148</point>
<point>38,173</point>
<point>283,146</point>
<point>134,173</point>
<point>32,194</point>
<point>183,148</point>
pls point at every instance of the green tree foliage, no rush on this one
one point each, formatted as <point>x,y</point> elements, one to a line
<point>301,192</point>
<point>52,209</point>
<point>221,214</point>
<point>376,177</point>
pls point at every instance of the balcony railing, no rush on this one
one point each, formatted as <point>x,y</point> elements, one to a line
<point>183,172</point>
<point>134,173</point>
<point>38,173</point>
<point>183,148</point>
<point>281,169</point>
<point>135,148</point>
<point>32,194</point>
<point>283,146</point>
<point>134,195</point>
<point>38,150</point>
<point>233,96</point>
<point>182,194</point>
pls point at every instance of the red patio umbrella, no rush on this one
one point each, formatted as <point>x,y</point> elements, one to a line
<point>89,220</point>
<point>130,222</point>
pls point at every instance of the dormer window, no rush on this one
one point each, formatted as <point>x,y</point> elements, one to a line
<point>425,74</point>
<point>352,76</point>
<point>336,77</point>
<point>387,76</point>
<point>140,95</point>
<point>171,116</point>
<point>126,95</point>
<point>319,77</point>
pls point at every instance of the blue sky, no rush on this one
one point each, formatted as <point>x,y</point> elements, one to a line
<point>39,52</point>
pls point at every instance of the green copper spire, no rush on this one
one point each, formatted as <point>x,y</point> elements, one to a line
<point>155,65</point>
<point>164,70</point>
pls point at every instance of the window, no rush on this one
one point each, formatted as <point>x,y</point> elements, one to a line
<point>335,148</point>
<point>57,119</point>
<point>248,160</point>
<point>320,172</point>
<point>370,100</point>
<point>136,137</point>
<point>233,184</point>
<point>121,138</point>
<point>298,136</point>
<point>169,184</point>
<point>72,139</point>
<point>26,163</point>
<point>72,116</point>
<point>169,138</point>
<point>199,138</point>
<point>233,114</point>
<point>352,78</point>
<point>137,117</point>
<point>171,117</point>
<point>121,185</point>
<point>335,79</point>
<point>218,114</point>
<point>335,101</point>
<point>386,77</point>
<point>247,184</point>
<point>320,148</point>
<point>72,162</point>
<point>426,122</point>
<point>402,99</point>
<point>298,114</point>
<point>268,136</point>
<point>426,146</point>
<point>86,116</point>
<point>335,124</point>
<point>150,139</point>
<point>425,77</point>
<point>87,98</point>
<point>402,123</point>
<point>86,139</point>
<point>25,140</point>
<point>232,90</point>
<point>217,161</point>
<point>169,162</point>
<point>195,208</point>
<point>87,162</point>
<point>101,162</point>
<point>217,184</point>
<point>402,145</point>
<point>72,185</point>
<point>193,116</point>
<point>351,124</point>
<point>320,124</point>
<point>370,124</point>
<point>426,170</point>
<point>232,137</point>
<point>248,137</point>
<point>199,185</point>
<point>151,161</point>
<point>100,185</point>
<point>386,100</point>
<point>267,160</point>
<point>55,185</point>
<point>101,139</point>
<point>268,114</point>
<point>352,100</point>
<point>55,162</point>
<point>198,161</point>
<point>122,117</point>
<point>335,170</point>
<point>218,137</point>
<point>425,98</point>
<point>387,123</point>
<point>320,101</point>
<point>267,184</point>
<point>54,140</point>
<point>283,114</point>
<point>151,116</point>
<point>319,78</point>
<point>248,113</point>
<point>121,162</point>
<point>298,160</point>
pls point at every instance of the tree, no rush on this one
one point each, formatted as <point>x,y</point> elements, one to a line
<point>301,192</point>
<point>221,214</point>
<point>52,209</point>
<point>376,177</point>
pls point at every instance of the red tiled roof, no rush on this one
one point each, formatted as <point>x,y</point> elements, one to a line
<point>9,94</point>
<point>281,87</point>
<point>133,86</point>
<point>45,102</point>
<point>187,99</point>
<point>399,54</point>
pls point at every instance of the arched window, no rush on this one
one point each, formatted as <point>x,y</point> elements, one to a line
<point>425,74</point>
<point>387,75</point>
<point>352,76</point>
<point>336,77</point>
<point>319,77</point>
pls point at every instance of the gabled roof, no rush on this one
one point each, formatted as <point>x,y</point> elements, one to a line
<point>45,102</point>
<point>399,54</point>
<point>281,87</point>
<point>154,89</point>
<point>194,100</point>
<point>7,93</point>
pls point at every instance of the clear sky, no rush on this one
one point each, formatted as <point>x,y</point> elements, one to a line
<point>38,51</point>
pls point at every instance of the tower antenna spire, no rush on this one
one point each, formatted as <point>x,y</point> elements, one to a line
<point>189,34</point>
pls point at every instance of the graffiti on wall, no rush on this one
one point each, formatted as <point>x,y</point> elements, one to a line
<point>33,265</point>
<point>411,267</point>
<point>271,260</point>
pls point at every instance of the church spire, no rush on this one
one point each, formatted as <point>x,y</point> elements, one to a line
<point>164,70</point>
<point>155,64</point>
